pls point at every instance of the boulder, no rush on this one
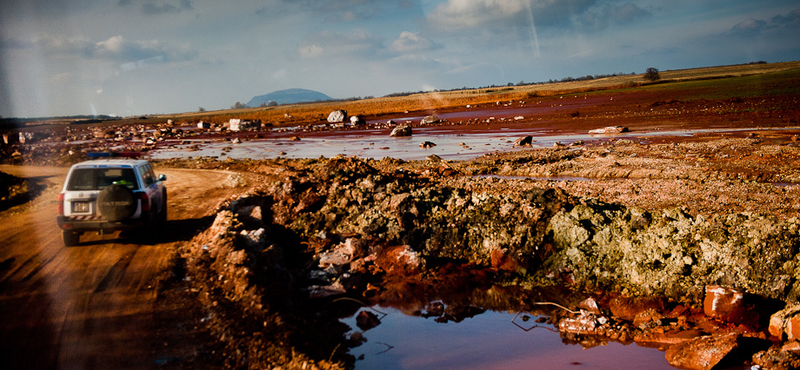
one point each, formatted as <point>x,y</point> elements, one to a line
<point>427,144</point>
<point>434,158</point>
<point>609,130</point>
<point>337,116</point>
<point>401,130</point>
<point>524,141</point>
<point>427,120</point>
<point>357,120</point>
<point>730,305</point>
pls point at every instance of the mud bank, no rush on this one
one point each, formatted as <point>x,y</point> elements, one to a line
<point>272,266</point>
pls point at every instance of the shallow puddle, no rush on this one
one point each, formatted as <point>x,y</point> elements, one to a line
<point>487,340</point>
<point>451,142</point>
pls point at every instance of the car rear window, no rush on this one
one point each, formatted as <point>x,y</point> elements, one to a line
<point>99,178</point>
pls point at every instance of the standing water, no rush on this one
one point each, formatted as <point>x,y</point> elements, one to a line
<point>483,339</point>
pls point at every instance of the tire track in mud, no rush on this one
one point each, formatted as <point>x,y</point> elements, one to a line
<point>38,268</point>
<point>15,270</point>
<point>115,274</point>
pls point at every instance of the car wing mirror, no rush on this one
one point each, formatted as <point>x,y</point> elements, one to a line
<point>162,177</point>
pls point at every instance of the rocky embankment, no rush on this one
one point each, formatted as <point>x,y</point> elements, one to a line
<point>366,229</point>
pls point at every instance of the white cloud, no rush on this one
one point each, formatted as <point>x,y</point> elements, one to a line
<point>505,14</point>
<point>357,43</point>
<point>311,51</point>
<point>624,13</point>
<point>458,14</point>
<point>156,7</point>
<point>115,48</point>
<point>279,74</point>
<point>113,44</point>
<point>412,42</point>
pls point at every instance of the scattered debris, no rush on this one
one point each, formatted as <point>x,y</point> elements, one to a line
<point>401,130</point>
<point>609,130</point>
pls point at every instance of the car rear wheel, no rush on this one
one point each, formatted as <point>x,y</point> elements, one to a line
<point>116,203</point>
<point>162,216</point>
<point>71,238</point>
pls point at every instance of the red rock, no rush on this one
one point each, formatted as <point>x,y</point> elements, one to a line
<point>793,329</point>
<point>501,261</point>
<point>702,353</point>
<point>730,305</point>
<point>401,259</point>
<point>590,305</point>
<point>627,308</point>
<point>786,323</point>
<point>367,320</point>
<point>678,311</point>
<point>583,324</point>
<point>647,316</point>
<point>671,337</point>
<point>793,347</point>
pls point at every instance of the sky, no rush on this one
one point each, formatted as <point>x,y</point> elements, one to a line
<point>137,57</point>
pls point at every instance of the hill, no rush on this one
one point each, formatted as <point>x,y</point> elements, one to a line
<point>288,96</point>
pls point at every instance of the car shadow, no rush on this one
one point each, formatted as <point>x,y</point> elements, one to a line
<point>35,186</point>
<point>173,231</point>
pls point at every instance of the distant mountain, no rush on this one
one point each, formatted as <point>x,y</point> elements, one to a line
<point>288,96</point>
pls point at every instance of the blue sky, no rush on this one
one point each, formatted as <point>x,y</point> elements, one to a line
<point>134,57</point>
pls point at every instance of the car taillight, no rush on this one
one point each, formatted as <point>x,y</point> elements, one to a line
<point>145,201</point>
<point>61,204</point>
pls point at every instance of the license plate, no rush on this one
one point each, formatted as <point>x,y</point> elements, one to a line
<point>80,207</point>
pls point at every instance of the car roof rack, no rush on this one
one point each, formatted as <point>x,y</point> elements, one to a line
<point>95,155</point>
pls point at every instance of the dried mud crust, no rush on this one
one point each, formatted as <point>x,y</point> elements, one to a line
<point>654,219</point>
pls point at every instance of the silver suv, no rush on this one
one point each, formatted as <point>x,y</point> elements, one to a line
<point>110,194</point>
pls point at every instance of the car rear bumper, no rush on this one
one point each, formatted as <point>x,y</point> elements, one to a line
<point>79,225</point>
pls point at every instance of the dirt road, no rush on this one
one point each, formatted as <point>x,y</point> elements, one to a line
<point>90,306</point>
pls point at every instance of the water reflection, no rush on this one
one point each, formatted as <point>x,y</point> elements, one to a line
<point>474,331</point>
<point>487,340</point>
<point>452,142</point>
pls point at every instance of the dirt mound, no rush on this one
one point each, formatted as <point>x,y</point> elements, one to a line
<point>377,230</point>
